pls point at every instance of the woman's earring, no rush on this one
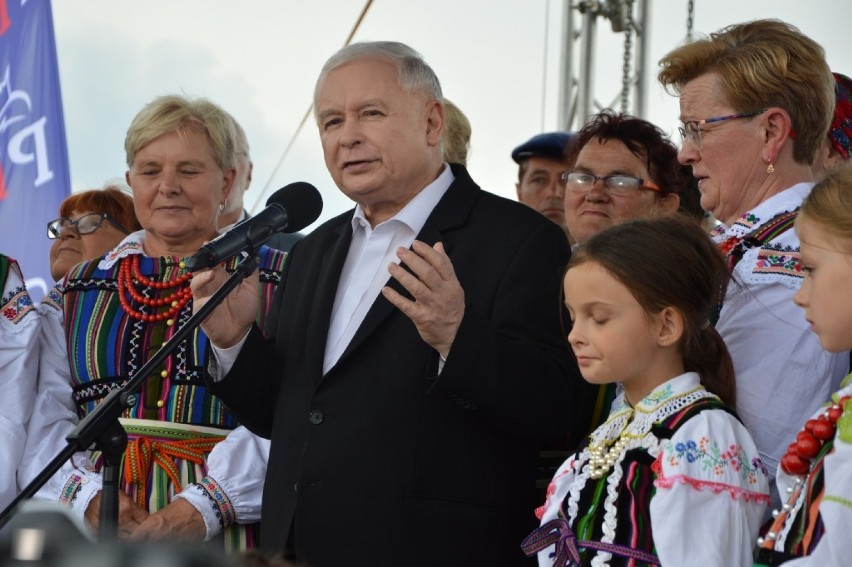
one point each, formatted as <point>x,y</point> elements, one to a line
<point>770,169</point>
<point>221,207</point>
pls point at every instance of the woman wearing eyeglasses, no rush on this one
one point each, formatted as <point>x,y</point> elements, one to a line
<point>90,224</point>
<point>187,462</point>
<point>756,101</point>
<point>620,167</point>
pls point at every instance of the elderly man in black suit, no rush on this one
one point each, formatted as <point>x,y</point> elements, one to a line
<point>416,360</point>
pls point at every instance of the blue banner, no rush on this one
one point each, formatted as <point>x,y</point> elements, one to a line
<point>34,174</point>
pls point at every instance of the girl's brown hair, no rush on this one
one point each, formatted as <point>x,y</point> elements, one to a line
<point>668,261</point>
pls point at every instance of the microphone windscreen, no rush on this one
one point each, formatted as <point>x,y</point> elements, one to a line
<point>302,202</point>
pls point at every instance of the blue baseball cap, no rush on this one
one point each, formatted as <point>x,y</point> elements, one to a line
<point>548,145</point>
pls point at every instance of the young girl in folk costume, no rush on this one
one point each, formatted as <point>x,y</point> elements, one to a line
<point>672,477</point>
<point>815,475</point>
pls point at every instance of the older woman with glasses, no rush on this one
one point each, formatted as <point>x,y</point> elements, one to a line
<point>756,101</point>
<point>90,224</point>
<point>186,453</point>
<point>619,167</point>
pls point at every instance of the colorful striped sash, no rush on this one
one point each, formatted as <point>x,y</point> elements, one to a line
<point>778,224</point>
<point>165,445</point>
<point>143,453</point>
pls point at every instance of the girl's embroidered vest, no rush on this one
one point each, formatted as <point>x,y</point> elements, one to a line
<point>635,491</point>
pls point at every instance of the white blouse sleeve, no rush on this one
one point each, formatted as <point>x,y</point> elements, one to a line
<point>18,374</point>
<point>54,417</point>
<point>712,491</point>
<point>233,487</point>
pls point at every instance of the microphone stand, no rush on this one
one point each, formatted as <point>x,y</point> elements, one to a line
<point>102,428</point>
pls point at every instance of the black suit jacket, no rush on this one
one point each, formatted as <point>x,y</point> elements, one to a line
<point>383,461</point>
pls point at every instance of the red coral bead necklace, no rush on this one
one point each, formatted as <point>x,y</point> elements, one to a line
<point>809,441</point>
<point>129,275</point>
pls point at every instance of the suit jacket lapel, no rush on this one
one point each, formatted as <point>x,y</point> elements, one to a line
<point>450,213</point>
<point>327,281</point>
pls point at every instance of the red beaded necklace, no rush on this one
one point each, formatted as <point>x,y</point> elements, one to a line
<point>809,441</point>
<point>129,276</point>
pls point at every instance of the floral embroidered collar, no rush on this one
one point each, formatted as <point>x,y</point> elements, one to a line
<point>786,200</point>
<point>132,244</point>
<point>636,422</point>
<point>667,390</point>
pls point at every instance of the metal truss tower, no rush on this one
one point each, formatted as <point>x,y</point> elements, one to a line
<point>579,33</point>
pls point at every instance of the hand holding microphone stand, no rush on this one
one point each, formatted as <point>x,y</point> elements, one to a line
<point>101,427</point>
<point>292,208</point>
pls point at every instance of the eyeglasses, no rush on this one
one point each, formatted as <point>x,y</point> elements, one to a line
<point>618,185</point>
<point>86,224</point>
<point>691,130</point>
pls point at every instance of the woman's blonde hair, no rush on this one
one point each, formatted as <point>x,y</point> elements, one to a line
<point>457,133</point>
<point>763,64</point>
<point>174,113</point>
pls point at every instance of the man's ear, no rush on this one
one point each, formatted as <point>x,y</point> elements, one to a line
<point>434,123</point>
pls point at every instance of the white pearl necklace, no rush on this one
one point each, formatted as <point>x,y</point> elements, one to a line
<point>626,425</point>
<point>602,459</point>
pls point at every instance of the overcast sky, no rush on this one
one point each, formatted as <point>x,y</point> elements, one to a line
<point>497,59</point>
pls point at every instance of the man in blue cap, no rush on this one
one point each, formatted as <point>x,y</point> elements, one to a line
<point>541,162</point>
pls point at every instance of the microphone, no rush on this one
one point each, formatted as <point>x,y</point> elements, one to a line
<point>290,209</point>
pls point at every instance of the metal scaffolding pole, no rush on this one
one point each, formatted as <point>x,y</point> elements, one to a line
<point>577,99</point>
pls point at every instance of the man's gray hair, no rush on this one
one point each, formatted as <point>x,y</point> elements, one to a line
<point>413,72</point>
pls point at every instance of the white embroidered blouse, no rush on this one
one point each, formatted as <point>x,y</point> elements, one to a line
<point>711,488</point>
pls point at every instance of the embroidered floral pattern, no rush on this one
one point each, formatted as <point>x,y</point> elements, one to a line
<point>71,488</point>
<point>17,305</point>
<point>132,244</point>
<point>658,395</point>
<point>8,298</point>
<point>616,509</point>
<point>710,457</point>
<point>567,468</point>
<point>784,261</point>
<point>53,299</point>
<point>748,220</point>
<point>718,230</point>
<point>224,510</point>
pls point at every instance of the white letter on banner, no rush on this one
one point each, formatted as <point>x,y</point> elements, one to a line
<point>17,155</point>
